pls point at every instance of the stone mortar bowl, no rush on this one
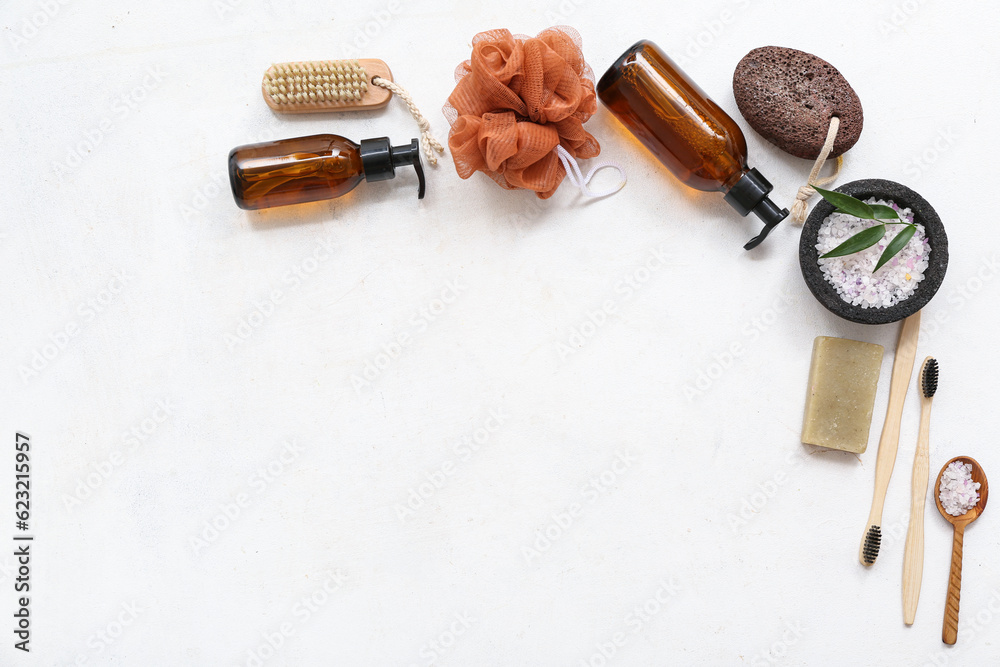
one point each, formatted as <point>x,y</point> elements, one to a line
<point>923,214</point>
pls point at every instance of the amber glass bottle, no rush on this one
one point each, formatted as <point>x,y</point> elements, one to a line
<point>688,132</point>
<point>304,169</point>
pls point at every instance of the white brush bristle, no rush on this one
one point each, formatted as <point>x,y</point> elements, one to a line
<point>317,82</point>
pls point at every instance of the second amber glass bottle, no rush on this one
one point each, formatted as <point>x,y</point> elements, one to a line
<point>688,132</point>
<point>305,169</point>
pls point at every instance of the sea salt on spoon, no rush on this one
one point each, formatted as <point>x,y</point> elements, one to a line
<point>949,633</point>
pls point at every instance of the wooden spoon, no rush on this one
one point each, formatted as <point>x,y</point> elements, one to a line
<point>949,634</point>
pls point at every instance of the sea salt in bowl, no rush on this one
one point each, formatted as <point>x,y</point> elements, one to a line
<point>923,215</point>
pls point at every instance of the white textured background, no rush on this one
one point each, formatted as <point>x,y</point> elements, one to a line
<point>162,91</point>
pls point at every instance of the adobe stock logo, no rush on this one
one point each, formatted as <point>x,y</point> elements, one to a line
<point>635,622</point>
<point>901,13</point>
<point>302,611</point>
<point>265,307</point>
<point>778,650</point>
<point>236,506</point>
<point>110,633</point>
<point>709,31</point>
<point>45,11</point>
<point>58,341</point>
<point>123,106</point>
<point>434,649</point>
<point>132,440</point>
<point>755,501</point>
<point>724,358</point>
<point>372,28</point>
<point>919,163</point>
<point>630,284</point>
<point>597,487</point>
<point>418,323</point>
<point>464,449</point>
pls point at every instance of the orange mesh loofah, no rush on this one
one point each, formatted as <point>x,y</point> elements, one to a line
<point>515,100</point>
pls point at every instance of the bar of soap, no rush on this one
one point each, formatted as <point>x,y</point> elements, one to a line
<point>842,383</point>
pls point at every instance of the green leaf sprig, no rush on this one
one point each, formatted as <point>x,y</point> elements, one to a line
<point>866,238</point>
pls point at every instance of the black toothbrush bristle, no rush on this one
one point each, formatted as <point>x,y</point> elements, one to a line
<point>929,378</point>
<point>873,540</point>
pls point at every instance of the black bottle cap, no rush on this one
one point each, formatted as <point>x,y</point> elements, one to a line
<point>379,160</point>
<point>750,194</point>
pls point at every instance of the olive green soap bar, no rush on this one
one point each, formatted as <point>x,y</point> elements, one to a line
<point>842,383</point>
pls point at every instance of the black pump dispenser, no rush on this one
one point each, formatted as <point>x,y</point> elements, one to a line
<point>379,160</point>
<point>750,194</point>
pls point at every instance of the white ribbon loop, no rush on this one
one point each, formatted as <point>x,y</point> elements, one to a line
<point>576,177</point>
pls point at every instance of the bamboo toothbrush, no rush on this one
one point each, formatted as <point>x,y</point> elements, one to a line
<point>902,370</point>
<point>913,558</point>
